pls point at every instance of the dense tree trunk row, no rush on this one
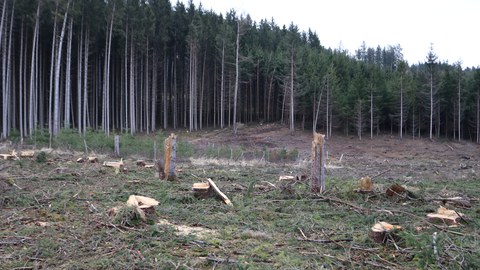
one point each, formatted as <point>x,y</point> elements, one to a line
<point>132,66</point>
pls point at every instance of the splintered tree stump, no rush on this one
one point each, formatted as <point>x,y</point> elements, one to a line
<point>317,179</point>
<point>382,232</point>
<point>116,143</point>
<point>365,185</point>
<point>169,159</point>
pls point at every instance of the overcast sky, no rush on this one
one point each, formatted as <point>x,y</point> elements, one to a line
<point>451,25</point>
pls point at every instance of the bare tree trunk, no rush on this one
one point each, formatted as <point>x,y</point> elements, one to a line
<point>127,86</point>
<point>2,20</point>
<point>33,72</point>
<point>56,112</point>
<point>79,81</point>
<point>292,108</point>
<point>21,84</point>
<point>67,79</point>
<point>459,101</point>
<point>237,76</point>
<point>202,89</point>
<point>85,81</point>
<point>478,116</point>
<point>327,86</point>
<point>132,90</point>
<point>106,79</point>
<point>222,89</point>
<point>6,82</point>
<point>371,112</point>
<point>165,93</point>
<point>154,91</point>
<point>431,105</point>
<point>401,107</point>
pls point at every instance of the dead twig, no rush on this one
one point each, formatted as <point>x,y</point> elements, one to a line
<point>325,241</point>
<point>435,250</point>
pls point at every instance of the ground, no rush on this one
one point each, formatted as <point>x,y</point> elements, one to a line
<point>55,211</point>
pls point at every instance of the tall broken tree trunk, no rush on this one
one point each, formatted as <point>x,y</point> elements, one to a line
<point>169,159</point>
<point>317,178</point>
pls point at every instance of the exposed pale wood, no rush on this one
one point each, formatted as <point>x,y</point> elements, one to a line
<point>141,201</point>
<point>92,159</point>
<point>169,161</point>
<point>115,164</point>
<point>286,177</point>
<point>27,153</point>
<point>366,184</point>
<point>200,186</point>
<point>80,160</point>
<point>12,155</point>
<point>317,178</point>
<point>381,231</point>
<point>149,165</point>
<point>446,216</point>
<point>220,193</point>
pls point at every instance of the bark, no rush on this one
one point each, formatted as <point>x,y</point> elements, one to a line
<point>165,93</point>
<point>222,89</point>
<point>371,112</point>
<point>317,177</point>
<point>154,91</point>
<point>401,106</point>
<point>21,84</point>
<point>2,20</point>
<point>56,112</point>
<point>431,105</point>
<point>7,80</point>
<point>132,90</point>
<point>85,81</point>
<point>79,81</point>
<point>33,72</point>
<point>237,75</point>
<point>106,79</point>
<point>67,74</point>
<point>292,108</point>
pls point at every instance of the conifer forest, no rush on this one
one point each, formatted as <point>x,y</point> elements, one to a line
<point>137,66</point>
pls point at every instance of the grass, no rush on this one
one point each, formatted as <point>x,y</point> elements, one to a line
<point>59,218</point>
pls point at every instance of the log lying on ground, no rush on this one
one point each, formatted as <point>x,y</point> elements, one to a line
<point>27,153</point>
<point>445,216</point>
<point>457,201</point>
<point>381,232</point>
<point>114,164</point>
<point>12,155</point>
<point>206,189</point>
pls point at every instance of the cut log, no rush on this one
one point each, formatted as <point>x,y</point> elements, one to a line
<point>286,177</point>
<point>13,155</point>
<point>457,201</point>
<point>114,164</point>
<point>381,232</point>
<point>80,160</point>
<point>445,216</point>
<point>170,153</point>
<point>317,179</point>
<point>201,186</point>
<point>27,153</point>
<point>220,193</point>
<point>149,165</point>
<point>366,184</point>
<point>395,189</point>
<point>92,159</point>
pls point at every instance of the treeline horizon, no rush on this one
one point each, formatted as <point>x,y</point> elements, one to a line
<point>136,66</point>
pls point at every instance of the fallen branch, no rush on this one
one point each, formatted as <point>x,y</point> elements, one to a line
<point>325,241</point>
<point>220,193</point>
<point>435,251</point>
<point>215,259</point>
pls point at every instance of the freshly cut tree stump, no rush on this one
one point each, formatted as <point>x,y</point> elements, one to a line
<point>395,189</point>
<point>169,159</point>
<point>317,178</point>
<point>366,185</point>
<point>381,232</point>
<point>202,190</point>
<point>208,189</point>
<point>445,216</point>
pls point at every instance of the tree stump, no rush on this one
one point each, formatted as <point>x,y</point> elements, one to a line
<point>382,232</point>
<point>317,179</point>
<point>169,158</point>
<point>116,143</point>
